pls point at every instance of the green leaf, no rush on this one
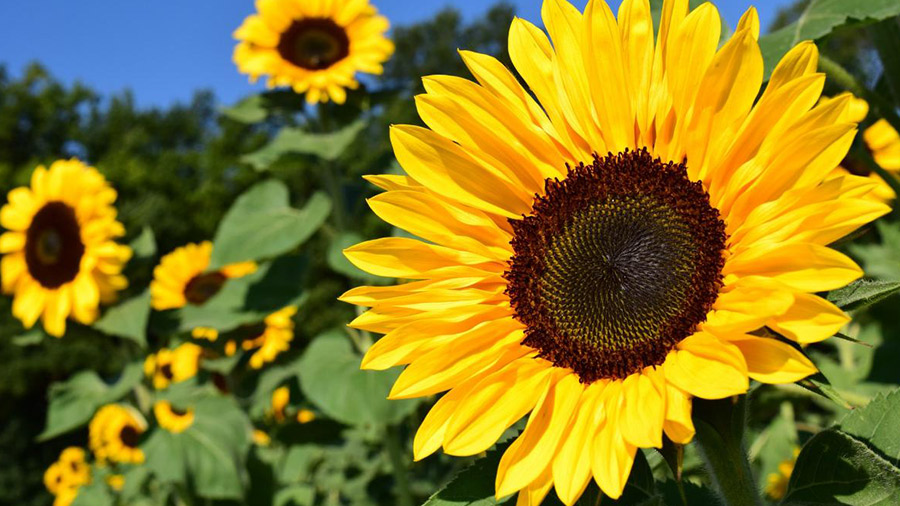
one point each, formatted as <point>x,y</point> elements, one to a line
<point>330,377</point>
<point>210,454</point>
<point>881,261</point>
<point>248,110</point>
<point>328,146</point>
<point>94,494</point>
<point>887,43</point>
<point>30,338</point>
<point>818,20</point>
<point>244,300</point>
<point>775,444</point>
<point>298,463</point>
<point>295,495</point>
<point>474,485</point>
<point>128,319</point>
<point>863,293</point>
<point>854,464</point>
<point>73,403</point>
<point>262,224</point>
<point>144,245</point>
<point>819,384</point>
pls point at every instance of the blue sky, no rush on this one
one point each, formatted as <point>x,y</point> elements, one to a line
<point>163,50</point>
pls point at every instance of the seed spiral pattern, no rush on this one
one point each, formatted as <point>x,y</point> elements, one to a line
<point>616,264</point>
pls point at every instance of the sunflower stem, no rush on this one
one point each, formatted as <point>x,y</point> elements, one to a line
<point>720,433</point>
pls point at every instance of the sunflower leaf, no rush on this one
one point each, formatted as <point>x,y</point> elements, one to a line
<point>328,146</point>
<point>262,224</point>
<point>128,319</point>
<point>474,485</point>
<point>854,464</point>
<point>819,384</point>
<point>819,19</point>
<point>74,402</point>
<point>863,293</point>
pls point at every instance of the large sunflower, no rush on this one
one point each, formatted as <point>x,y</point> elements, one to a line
<point>314,46</point>
<point>60,257</point>
<point>611,244</point>
<point>182,277</point>
<point>115,433</point>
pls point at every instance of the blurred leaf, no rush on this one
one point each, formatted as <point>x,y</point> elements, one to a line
<point>128,319</point>
<point>863,293</point>
<point>29,338</point>
<point>248,110</point>
<point>856,465</point>
<point>298,463</point>
<point>339,263</point>
<point>818,20</point>
<point>776,443</point>
<point>327,146</point>
<point>887,43</point>
<point>144,245</point>
<point>73,403</point>
<point>295,495</point>
<point>262,224</point>
<point>211,453</point>
<point>881,261</point>
<point>330,377</point>
<point>474,485</point>
<point>819,384</point>
<point>244,300</point>
<point>94,494</point>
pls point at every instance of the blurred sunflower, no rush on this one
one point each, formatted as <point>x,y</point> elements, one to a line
<point>65,476</point>
<point>116,482</point>
<point>275,339</point>
<point>173,366</point>
<point>206,333</point>
<point>883,141</point>
<point>305,416</point>
<point>281,397</point>
<point>115,433</point>
<point>171,418</point>
<point>60,258</point>
<point>607,246</point>
<point>777,482</point>
<point>181,278</point>
<point>314,46</point>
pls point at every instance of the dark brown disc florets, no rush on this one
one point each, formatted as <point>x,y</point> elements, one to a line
<point>615,265</point>
<point>53,245</point>
<point>314,43</point>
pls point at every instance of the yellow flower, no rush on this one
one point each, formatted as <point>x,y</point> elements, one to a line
<point>205,333</point>
<point>280,399</point>
<point>884,143</point>
<point>777,483</point>
<point>66,496</point>
<point>173,366</point>
<point>602,292</point>
<point>261,438</point>
<point>181,278</point>
<point>114,434</point>
<point>305,416</point>
<point>60,258</point>
<point>116,482</point>
<point>69,472</point>
<point>275,339</point>
<point>171,418</point>
<point>230,348</point>
<point>314,46</point>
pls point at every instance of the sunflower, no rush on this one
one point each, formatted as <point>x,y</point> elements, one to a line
<point>205,333</point>
<point>116,482</point>
<point>281,397</point>
<point>883,141</point>
<point>314,46</point>
<point>114,434</point>
<point>610,244</point>
<point>60,258</point>
<point>305,416</point>
<point>173,366</point>
<point>777,482</point>
<point>65,476</point>
<point>275,339</point>
<point>181,278</point>
<point>171,418</point>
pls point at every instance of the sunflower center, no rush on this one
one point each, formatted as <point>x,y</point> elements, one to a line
<point>201,288</point>
<point>615,265</point>
<point>314,43</point>
<point>177,412</point>
<point>166,371</point>
<point>129,436</point>
<point>53,247</point>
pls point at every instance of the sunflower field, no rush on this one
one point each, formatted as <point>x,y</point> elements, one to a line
<point>623,254</point>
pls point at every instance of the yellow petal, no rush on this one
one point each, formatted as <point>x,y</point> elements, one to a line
<point>536,491</point>
<point>809,320</point>
<point>773,362</point>
<point>611,459</point>
<point>572,464</point>
<point>431,432</point>
<point>679,425</point>
<point>706,367</point>
<point>401,257</point>
<point>802,266</point>
<point>643,413</point>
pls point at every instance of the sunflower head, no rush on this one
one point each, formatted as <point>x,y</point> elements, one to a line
<point>60,258</point>
<point>182,278</point>
<point>172,419</point>
<point>116,482</point>
<point>280,399</point>
<point>276,337</point>
<point>115,434</point>
<point>169,366</point>
<point>68,473</point>
<point>640,227</point>
<point>314,46</point>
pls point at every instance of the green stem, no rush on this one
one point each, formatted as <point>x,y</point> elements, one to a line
<point>720,433</point>
<point>395,452</point>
